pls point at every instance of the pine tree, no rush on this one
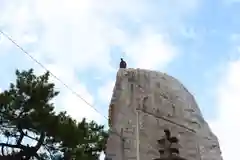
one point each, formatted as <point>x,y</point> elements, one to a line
<point>26,111</point>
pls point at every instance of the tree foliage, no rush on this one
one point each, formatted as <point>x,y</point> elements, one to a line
<point>31,129</point>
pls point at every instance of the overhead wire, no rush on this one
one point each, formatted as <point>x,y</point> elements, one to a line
<point>51,73</point>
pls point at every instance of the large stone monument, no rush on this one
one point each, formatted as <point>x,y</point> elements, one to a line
<point>144,105</point>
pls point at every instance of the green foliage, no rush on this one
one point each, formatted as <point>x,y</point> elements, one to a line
<point>26,111</point>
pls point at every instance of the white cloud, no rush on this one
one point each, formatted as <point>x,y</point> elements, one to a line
<point>230,2</point>
<point>5,44</point>
<point>150,50</point>
<point>102,156</point>
<point>105,91</point>
<point>227,126</point>
<point>77,108</point>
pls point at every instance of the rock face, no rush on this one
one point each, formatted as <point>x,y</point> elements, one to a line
<point>162,103</point>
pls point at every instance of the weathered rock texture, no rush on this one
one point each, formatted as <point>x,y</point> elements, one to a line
<point>164,103</point>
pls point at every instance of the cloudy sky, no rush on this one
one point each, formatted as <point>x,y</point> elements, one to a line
<point>81,42</point>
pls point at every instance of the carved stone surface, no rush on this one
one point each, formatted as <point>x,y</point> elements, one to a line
<point>163,103</point>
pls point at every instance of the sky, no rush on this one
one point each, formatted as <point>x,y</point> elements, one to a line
<point>82,41</point>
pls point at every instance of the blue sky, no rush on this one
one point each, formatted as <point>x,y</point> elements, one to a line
<point>81,41</point>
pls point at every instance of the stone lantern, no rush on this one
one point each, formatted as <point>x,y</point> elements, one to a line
<point>169,147</point>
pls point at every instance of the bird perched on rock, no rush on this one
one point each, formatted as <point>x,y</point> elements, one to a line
<point>123,64</point>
